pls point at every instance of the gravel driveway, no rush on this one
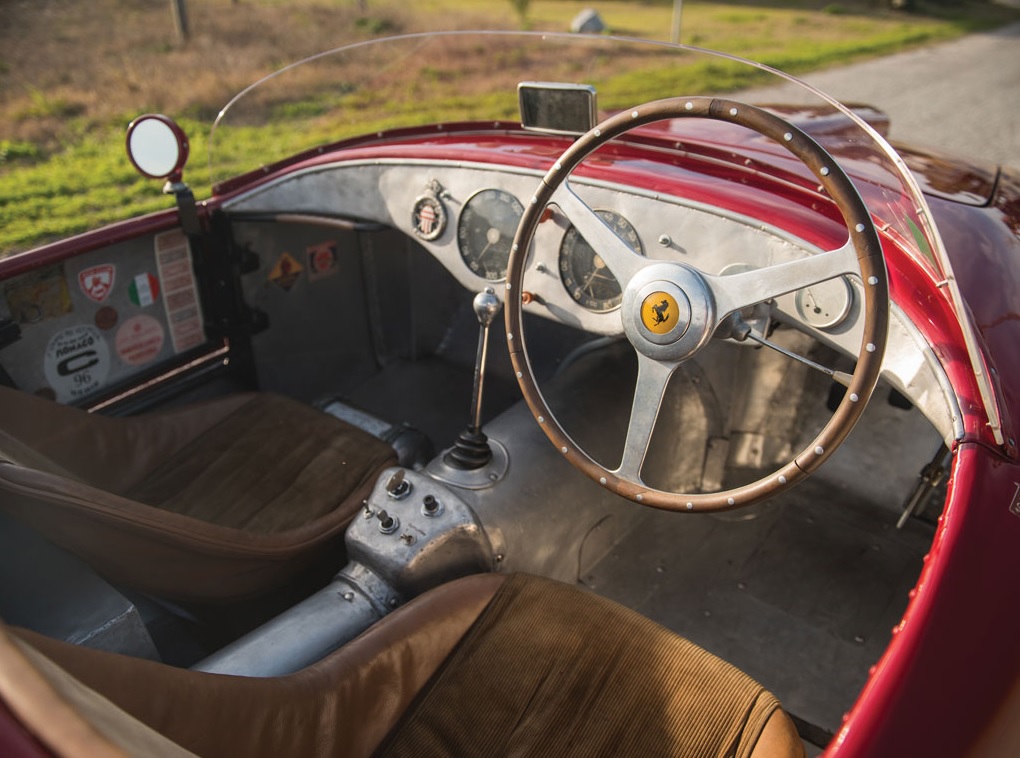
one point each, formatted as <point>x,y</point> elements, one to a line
<point>961,96</point>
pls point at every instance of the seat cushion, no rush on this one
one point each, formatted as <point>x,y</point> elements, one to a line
<point>550,670</point>
<point>221,500</point>
<point>270,466</point>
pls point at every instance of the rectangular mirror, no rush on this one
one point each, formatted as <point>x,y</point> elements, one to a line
<point>556,107</point>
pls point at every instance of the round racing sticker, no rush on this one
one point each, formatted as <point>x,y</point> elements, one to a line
<point>77,362</point>
<point>139,340</point>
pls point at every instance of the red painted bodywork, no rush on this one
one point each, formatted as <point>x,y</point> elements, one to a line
<point>953,658</point>
<point>16,741</point>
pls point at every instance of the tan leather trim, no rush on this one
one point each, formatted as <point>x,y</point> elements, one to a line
<point>343,705</point>
<point>405,654</point>
<point>52,705</point>
<point>779,739</point>
<point>71,500</point>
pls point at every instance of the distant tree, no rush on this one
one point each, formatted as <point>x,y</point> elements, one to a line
<point>521,8</point>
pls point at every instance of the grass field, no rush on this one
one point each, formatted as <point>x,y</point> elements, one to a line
<point>73,74</point>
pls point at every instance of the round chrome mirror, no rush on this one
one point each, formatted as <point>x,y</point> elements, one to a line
<point>157,147</point>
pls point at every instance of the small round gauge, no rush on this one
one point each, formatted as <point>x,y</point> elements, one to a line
<point>583,272</point>
<point>486,230</point>
<point>826,304</point>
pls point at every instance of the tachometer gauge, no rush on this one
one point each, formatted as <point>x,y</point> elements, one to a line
<point>583,272</point>
<point>486,230</point>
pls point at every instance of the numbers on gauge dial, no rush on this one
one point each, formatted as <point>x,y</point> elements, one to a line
<point>485,231</point>
<point>583,272</point>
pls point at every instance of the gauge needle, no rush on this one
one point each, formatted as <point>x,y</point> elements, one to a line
<point>597,274</point>
<point>491,237</point>
<point>599,264</point>
<point>810,302</point>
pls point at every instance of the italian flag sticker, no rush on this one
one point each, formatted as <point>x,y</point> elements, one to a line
<point>143,289</point>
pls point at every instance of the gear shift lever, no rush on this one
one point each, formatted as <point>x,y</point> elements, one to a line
<point>471,450</point>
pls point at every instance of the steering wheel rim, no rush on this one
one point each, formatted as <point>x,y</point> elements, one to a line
<point>710,300</point>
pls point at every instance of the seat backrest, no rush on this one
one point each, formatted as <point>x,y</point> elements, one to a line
<point>108,453</point>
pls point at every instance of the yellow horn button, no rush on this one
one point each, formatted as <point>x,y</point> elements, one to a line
<point>660,312</point>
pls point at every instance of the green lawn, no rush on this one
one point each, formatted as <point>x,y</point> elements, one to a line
<point>77,177</point>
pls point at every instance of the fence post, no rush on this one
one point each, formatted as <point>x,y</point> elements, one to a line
<point>678,9</point>
<point>180,10</point>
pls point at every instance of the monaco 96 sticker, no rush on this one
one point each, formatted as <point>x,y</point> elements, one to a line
<point>77,362</point>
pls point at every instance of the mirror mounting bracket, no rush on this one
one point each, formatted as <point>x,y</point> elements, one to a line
<point>187,209</point>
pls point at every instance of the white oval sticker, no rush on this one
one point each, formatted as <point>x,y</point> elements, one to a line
<point>77,362</point>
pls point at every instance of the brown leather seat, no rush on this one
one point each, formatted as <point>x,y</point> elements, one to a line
<point>216,500</point>
<point>485,666</point>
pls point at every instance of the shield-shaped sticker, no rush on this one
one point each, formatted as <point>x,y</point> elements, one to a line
<point>97,282</point>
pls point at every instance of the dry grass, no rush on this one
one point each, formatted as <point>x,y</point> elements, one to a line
<point>65,59</point>
<point>69,65</point>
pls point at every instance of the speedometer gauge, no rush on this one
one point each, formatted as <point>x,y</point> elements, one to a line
<point>583,272</point>
<point>486,230</point>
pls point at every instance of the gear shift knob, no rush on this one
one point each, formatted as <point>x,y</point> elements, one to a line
<point>487,307</point>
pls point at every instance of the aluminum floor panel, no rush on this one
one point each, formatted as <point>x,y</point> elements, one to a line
<point>802,597</point>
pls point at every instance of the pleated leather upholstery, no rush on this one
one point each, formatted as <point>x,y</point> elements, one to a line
<point>549,670</point>
<point>220,500</point>
<point>484,666</point>
<point>269,467</point>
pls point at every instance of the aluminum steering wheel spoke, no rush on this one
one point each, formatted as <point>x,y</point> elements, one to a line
<point>731,293</point>
<point>622,261</point>
<point>652,379</point>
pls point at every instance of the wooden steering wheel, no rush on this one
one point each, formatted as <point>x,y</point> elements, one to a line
<point>670,310</point>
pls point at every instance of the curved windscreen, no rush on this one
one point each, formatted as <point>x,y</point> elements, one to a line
<point>435,79</point>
